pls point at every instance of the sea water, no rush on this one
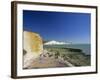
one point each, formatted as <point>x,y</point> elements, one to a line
<point>86,48</point>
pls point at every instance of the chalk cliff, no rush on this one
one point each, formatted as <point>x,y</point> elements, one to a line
<point>33,46</point>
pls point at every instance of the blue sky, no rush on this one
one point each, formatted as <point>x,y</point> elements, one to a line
<point>60,26</point>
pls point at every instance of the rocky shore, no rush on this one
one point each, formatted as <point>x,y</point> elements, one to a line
<point>35,55</point>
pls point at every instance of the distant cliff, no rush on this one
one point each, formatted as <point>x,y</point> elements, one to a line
<point>53,42</point>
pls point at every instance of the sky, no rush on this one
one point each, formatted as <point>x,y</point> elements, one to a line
<point>59,26</point>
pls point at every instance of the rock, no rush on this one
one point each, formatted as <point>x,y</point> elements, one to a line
<point>33,45</point>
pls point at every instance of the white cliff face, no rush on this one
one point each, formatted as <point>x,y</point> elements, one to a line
<point>33,46</point>
<point>55,43</point>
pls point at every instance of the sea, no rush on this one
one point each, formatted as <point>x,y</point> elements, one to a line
<point>86,48</point>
